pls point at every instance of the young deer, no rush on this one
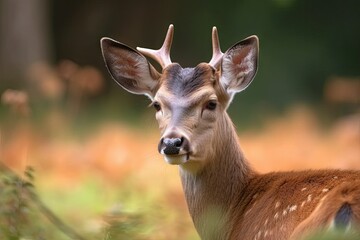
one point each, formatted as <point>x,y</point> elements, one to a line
<point>226,198</point>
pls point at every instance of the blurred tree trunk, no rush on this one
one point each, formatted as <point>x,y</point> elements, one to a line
<point>25,38</point>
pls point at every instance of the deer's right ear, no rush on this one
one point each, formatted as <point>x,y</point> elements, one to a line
<point>129,68</point>
<point>239,65</point>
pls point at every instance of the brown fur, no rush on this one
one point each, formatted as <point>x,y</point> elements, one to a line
<point>293,203</point>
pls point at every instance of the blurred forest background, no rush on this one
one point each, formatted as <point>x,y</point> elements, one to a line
<point>62,114</point>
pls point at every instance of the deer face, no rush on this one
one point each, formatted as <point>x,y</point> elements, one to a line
<point>187,105</point>
<point>189,102</point>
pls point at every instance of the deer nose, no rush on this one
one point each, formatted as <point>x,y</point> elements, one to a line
<point>171,146</point>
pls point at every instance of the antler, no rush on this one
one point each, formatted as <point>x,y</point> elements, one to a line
<point>162,55</point>
<point>217,54</point>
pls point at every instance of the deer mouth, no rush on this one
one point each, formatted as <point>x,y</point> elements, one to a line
<point>177,159</point>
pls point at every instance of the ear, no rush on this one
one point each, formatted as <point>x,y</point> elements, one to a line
<point>239,65</point>
<point>129,68</point>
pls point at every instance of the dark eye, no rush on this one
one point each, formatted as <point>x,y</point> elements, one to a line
<point>157,106</point>
<point>211,105</point>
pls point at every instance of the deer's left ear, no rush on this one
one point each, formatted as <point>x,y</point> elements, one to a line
<point>239,65</point>
<point>129,68</point>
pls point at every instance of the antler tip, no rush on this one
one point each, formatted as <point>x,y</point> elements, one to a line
<point>170,32</point>
<point>217,54</point>
<point>140,49</point>
<point>214,32</point>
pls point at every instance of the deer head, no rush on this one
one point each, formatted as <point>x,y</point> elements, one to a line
<point>189,102</point>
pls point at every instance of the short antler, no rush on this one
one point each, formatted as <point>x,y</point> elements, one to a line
<point>162,55</point>
<point>217,54</point>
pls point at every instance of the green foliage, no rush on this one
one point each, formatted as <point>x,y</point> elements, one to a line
<point>335,235</point>
<point>140,216</point>
<point>17,214</point>
<point>23,215</point>
<point>122,225</point>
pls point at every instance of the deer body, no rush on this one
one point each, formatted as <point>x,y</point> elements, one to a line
<point>226,198</point>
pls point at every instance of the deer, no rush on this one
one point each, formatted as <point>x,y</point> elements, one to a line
<point>226,197</point>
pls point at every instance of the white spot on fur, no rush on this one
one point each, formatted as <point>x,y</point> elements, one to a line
<point>276,216</point>
<point>284,213</point>
<point>277,204</point>
<point>309,197</point>
<point>303,203</point>
<point>266,233</point>
<point>255,196</point>
<point>266,221</point>
<point>303,189</point>
<point>335,177</point>
<point>325,190</point>
<point>292,208</point>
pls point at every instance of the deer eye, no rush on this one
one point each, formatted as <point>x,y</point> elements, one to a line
<point>211,105</point>
<point>157,106</point>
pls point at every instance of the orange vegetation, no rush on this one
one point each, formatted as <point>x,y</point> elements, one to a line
<point>295,141</point>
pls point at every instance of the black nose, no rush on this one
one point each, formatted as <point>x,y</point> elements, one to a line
<point>171,146</point>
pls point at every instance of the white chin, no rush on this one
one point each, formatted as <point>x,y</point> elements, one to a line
<point>176,159</point>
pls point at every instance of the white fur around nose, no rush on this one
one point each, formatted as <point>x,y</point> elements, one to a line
<point>175,159</point>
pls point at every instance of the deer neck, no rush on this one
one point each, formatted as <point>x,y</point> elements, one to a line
<point>212,192</point>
